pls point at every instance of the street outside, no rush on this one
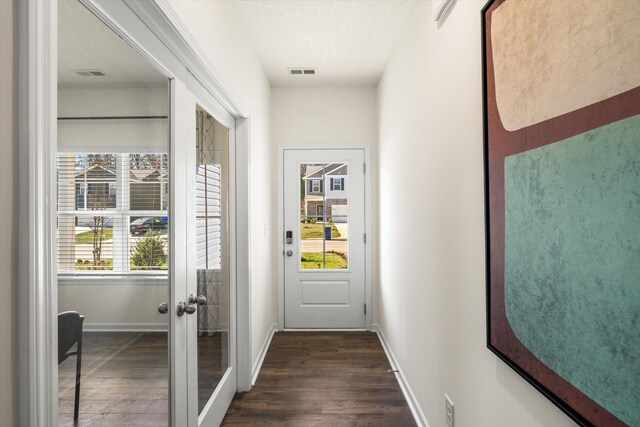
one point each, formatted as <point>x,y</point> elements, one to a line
<point>340,244</point>
<point>85,250</point>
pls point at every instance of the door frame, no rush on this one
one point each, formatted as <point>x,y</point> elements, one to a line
<point>367,226</point>
<point>156,32</point>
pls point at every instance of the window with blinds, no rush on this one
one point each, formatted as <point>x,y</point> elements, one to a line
<point>208,217</point>
<point>112,213</point>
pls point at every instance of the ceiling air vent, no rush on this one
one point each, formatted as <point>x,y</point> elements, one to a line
<point>90,73</point>
<point>303,71</point>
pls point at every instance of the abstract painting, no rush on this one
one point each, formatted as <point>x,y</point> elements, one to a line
<point>562,182</point>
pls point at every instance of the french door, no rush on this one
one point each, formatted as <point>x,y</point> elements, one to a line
<point>126,147</point>
<point>205,370</point>
<point>324,241</point>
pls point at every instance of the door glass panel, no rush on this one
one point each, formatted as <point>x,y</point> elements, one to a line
<point>212,252</point>
<point>324,216</point>
<point>112,165</point>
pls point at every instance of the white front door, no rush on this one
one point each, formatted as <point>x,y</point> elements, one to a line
<point>324,239</point>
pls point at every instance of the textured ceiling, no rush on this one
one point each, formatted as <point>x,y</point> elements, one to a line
<point>85,42</point>
<point>348,41</point>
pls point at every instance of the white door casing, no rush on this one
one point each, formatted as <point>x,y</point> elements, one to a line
<point>324,298</point>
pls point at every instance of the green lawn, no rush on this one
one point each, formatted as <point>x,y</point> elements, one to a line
<point>314,260</point>
<point>87,236</point>
<point>314,231</point>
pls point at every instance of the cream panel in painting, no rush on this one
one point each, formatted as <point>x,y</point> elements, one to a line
<point>547,62</point>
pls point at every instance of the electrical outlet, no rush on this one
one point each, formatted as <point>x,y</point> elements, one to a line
<point>448,410</point>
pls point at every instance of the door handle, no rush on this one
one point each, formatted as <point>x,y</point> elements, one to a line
<point>200,299</point>
<point>183,308</point>
<point>163,308</point>
<point>289,253</point>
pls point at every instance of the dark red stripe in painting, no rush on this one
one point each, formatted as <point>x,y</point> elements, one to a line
<point>503,143</point>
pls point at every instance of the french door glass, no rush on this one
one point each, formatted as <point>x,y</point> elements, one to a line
<point>212,252</point>
<point>113,234</point>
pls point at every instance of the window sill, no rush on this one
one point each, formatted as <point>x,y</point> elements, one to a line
<point>119,279</point>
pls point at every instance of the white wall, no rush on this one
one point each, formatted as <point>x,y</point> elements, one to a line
<point>8,217</point>
<point>117,304</point>
<point>321,115</point>
<point>432,270</point>
<point>219,29</point>
<point>126,135</point>
<point>313,116</point>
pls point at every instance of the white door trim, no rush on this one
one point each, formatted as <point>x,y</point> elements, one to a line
<point>37,44</point>
<point>367,215</point>
<point>37,130</point>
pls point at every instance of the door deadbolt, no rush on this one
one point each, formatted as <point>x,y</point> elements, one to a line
<point>289,237</point>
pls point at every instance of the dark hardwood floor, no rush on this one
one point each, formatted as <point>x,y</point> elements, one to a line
<point>307,379</point>
<point>124,380</point>
<point>323,379</point>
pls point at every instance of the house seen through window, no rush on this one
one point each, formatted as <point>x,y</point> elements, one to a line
<point>112,213</point>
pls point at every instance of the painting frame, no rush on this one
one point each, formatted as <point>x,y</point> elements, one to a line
<point>571,400</point>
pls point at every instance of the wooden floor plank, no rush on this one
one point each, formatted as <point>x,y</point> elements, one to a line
<point>323,379</point>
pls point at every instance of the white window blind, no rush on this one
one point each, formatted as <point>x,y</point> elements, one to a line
<point>112,213</point>
<point>208,217</point>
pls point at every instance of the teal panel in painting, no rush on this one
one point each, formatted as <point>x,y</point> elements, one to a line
<point>572,261</point>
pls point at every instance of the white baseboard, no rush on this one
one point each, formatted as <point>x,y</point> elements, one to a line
<point>125,327</point>
<point>263,352</point>
<point>416,411</point>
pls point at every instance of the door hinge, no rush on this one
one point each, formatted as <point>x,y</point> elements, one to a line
<point>365,309</point>
<point>364,238</point>
<point>364,167</point>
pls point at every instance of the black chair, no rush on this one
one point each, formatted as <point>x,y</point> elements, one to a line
<point>70,333</point>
